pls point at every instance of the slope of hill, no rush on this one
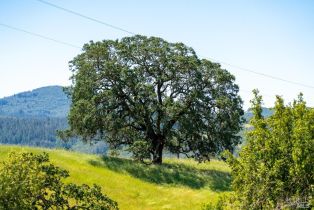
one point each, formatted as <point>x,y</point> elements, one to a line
<point>48,101</point>
<point>178,184</point>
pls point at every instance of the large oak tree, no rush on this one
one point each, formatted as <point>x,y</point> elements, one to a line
<point>148,92</point>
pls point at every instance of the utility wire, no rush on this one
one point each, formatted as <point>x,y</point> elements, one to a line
<point>132,33</point>
<point>86,17</point>
<point>262,74</point>
<point>67,44</point>
<point>77,47</point>
<point>40,36</point>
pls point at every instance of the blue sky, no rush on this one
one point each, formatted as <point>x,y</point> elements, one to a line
<point>271,37</point>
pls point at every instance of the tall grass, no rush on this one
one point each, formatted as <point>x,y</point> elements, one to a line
<point>177,184</point>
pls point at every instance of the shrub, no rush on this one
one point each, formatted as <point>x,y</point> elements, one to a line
<point>275,168</point>
<point>30,181</point>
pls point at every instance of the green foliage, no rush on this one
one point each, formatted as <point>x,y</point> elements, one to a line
<point>140,150</point>
<point>29,181</point>
<point>275,167</point>
<point>146,89</point>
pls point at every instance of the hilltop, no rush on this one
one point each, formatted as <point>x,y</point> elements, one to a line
<point>177,184</point>
<point>48,101</point>
<point>33,117</point>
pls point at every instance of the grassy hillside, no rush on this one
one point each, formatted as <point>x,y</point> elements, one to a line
<point>178,184</point>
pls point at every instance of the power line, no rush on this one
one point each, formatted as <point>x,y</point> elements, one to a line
<point>262,74</point>
<point>132,33</point>
<point>77,47</point>
<point>86,17</point>
<point>40,36</point>
<point>61,42</point>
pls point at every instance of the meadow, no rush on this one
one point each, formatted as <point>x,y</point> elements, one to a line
<point>177,184</point>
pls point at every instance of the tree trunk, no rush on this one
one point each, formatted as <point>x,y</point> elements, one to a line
<point>158,144</point>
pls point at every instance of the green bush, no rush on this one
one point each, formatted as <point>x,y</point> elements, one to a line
<point>30,181</point>
<point>275,168</point>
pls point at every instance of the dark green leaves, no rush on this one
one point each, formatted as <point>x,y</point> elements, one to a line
<point>145,89</point>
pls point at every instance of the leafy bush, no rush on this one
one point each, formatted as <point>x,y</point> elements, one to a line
<point>275,168</point>
<point>30,181</point>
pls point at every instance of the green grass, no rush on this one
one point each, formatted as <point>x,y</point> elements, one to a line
<point>177,184</point>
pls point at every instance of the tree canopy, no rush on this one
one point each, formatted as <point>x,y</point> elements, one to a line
<point>275,168</point>
<point>146,92</point>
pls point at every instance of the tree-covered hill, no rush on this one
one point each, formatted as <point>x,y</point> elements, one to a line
<point>33,117</point>
<point>31,131</point>
<point>48,101</point>
<point>41,132</point>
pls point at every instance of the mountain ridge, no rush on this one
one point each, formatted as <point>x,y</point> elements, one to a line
<point>48,101</point>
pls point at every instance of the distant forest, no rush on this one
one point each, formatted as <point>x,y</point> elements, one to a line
<point>41,132</point>
<point>32,131</point>
<point>33,117</point>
